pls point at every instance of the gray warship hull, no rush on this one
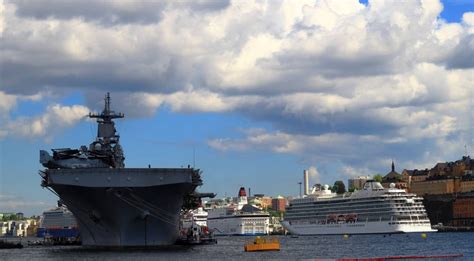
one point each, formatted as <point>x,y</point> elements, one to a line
<point>123,207</point>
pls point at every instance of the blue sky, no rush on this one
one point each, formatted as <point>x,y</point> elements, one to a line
<point>259,92</point>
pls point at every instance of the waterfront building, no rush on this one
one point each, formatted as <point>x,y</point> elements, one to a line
<point>393,177</point>
<point>266,202</point>
<point>447,190</point>
<point>435,186</point>
<point>463,210</point>
<point>20,215</point>
<point>32,229</point>
<point>21,228</point>
<point>279,204</point>
<point>440,169</point>
<point>458,168</point>
<point>358,183</point>
<point>3,228</point>
<point>443,185</point>
<point>17,228</point>
<point>412,176</point>
<point>260,200</point>
<point>467,183</point>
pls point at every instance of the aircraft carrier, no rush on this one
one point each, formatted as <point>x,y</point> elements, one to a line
<point>117,206</point>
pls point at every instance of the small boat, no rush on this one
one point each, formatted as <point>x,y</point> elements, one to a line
<point>8,245</point>
<point>263,244</point>
<point>196,235</point>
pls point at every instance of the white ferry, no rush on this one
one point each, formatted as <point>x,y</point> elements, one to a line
<point>243,219</point>
<point>371,210</point>
<point>58,222</point>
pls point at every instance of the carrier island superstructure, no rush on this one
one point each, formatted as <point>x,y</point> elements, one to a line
<point>117,206</point>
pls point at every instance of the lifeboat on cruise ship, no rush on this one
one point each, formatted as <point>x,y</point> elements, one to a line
<point>351,218</point>
<point>332,218</point>
<point>341,218</point>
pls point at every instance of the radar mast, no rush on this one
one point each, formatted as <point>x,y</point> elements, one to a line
<point>107,141</point>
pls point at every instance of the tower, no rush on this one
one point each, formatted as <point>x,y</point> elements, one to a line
<point>306,182</point>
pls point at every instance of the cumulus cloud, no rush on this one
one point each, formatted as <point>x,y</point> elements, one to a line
<point>50,123</point>
<point>8,102</point>
<point>332,77</point>
<point>359,154</point>
<point>108,12</point>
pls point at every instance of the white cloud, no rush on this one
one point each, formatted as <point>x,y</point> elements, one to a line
<point>358,154</point>
<point>332,77</point>
<point>56,118</point>
<point>350,171</point>
<point>7,102</point>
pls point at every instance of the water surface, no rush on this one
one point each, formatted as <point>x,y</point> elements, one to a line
<point>303,247</point>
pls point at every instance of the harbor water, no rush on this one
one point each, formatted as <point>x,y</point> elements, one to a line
<point>292,248</point>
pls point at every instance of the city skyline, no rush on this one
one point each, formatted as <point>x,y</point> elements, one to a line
<point>252,93</point>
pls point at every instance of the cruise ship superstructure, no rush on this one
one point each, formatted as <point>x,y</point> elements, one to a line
<point>373,209</point>
<point>242,219</point>
<point>57,222</point>
<point>113,205</point>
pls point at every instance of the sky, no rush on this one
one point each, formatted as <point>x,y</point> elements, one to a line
<point>250,92</point>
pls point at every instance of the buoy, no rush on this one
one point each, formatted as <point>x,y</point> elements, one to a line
<point>423,235</point>
<point>346,236</point>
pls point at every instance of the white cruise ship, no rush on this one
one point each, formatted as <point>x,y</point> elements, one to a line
<point>371,210</point>
<point>243,219</point>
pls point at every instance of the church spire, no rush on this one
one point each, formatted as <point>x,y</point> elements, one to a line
<point>393,166</point>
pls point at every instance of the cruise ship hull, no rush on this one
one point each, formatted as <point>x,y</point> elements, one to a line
<point>376,227</point>
<point>123,207</point>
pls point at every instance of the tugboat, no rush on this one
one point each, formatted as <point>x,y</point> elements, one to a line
<point>196,235</point>
<point>263,244</point>
<point>194,230</point>
<point>116,206</point>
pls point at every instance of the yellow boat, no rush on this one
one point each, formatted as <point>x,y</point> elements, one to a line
<point>263,244</point>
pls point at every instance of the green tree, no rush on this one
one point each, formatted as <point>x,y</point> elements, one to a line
<point>9,217</point>
<point>274,213</point>
<point>339,187</point>
<point>378,177</point>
